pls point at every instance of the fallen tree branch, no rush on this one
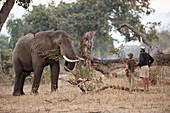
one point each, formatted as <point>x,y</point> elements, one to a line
<point>116,87</point>
<point>70,71</point>
<point>49,101</point>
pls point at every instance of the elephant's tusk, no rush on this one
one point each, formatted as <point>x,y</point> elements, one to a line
<point>80,58</point>
<point>69,60</point>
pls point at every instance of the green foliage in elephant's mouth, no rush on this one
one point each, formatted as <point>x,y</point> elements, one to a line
<point>51,54</point>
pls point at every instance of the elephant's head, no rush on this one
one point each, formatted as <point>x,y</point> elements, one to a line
<point>63,41</point>
<point>57,40</point>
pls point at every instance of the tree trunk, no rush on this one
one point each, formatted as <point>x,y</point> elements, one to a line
<point>5,10</point>
<point>86,47</point>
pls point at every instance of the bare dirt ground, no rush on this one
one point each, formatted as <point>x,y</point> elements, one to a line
<point>69,99</point>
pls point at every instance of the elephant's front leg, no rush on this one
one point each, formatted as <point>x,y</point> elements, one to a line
<point>55,70</point>
<point>37,77</point>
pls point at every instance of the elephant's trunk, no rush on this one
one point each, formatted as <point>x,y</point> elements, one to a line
<point>69,66</point>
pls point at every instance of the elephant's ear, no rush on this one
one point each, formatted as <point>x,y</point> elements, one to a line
<point>41,42</point>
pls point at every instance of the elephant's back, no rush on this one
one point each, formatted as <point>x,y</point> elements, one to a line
<point>25,39</point>
<point>22,50</point>
<point>23,44</point>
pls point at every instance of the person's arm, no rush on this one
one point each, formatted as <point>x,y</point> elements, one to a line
<point>135,64</point>
<point>127,65</point>
<point>151,60</point>
<point>141,60</point>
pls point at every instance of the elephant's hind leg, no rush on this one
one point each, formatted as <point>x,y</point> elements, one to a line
<point>22,80</point>
<point>18,73</point>
<point>17,82</point>
<point>22,84</point>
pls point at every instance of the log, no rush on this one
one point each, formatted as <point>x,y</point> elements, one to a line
<point>162,60</point>
<point>116,87</point>
<point>107,66</point>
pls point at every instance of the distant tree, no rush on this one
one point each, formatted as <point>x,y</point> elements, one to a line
<point>5,55</point>
<point>15,28</point>
<point>4,42</point>
<point>41,18</point>
<point>87,15</point>
<point>45,18</point>
<point>163,39</point>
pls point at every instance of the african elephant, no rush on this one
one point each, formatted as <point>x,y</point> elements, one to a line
<point>26,58</point>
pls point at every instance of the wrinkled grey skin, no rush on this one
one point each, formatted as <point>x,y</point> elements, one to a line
<point>26,58</point>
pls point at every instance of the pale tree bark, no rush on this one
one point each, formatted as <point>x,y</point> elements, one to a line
<point>86,47</point>
<point>5,10</point>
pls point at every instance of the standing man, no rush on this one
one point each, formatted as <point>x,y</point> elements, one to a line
<point>130,69</point>
<point>145,60</point>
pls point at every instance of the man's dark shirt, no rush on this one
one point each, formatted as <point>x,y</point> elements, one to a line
<point>145,59</point>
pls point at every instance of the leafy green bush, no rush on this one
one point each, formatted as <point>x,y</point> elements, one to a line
<point>6,56</point>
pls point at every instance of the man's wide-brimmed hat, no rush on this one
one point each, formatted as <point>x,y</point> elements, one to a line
<point>142,47</point>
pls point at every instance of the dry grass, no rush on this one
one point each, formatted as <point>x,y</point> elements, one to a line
<point>69,99</point>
